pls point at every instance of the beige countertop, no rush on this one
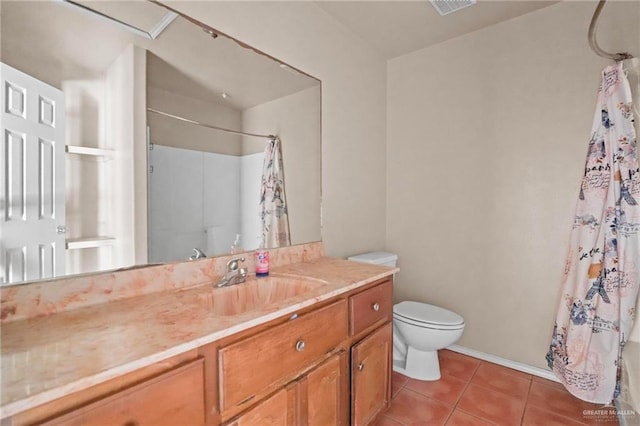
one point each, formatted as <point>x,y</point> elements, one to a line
<point>48,357</point>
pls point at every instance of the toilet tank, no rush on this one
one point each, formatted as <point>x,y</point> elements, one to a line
<point>377,258</point>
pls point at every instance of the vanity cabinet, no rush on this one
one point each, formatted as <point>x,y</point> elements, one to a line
<point>327,364</point>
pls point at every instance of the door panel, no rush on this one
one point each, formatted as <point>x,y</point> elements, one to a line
<point>326,391</point>
<point>277,410</point>
<point>370,375</point>
<point>31,179</point>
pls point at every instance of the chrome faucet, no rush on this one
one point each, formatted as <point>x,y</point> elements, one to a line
<point>234,275</point>
<point>197,254</point>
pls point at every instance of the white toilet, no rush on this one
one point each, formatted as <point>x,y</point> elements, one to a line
<point>419,330</point>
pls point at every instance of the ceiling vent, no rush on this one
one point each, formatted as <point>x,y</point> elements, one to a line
<point>445,7</point>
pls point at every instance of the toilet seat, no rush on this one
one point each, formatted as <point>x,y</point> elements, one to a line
<point>427,316</point>
<point>420,324</point>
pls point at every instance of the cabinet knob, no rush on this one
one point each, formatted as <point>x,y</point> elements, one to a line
<point>375,306</point>
<point>300,345</point>
<point>361,366</point>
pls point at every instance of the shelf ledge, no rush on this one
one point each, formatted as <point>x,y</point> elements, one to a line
<point>93,152</point>
<point>91,242</point>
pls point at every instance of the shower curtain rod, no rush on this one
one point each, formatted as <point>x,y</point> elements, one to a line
<point>210,126</point>
<point>592,37</point>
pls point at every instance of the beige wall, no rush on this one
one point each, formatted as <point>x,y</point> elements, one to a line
<point>171,132</point>
<point>487,136</point>
<point>296,121</point>
<point>353,107</point>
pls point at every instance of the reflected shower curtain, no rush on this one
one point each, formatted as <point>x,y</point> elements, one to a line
<point>273,201</point>
<point>602,273</point>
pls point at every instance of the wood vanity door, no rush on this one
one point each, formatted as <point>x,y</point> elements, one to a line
<point>280,409</point>
<point>324,393</point>
<point>371,375</point>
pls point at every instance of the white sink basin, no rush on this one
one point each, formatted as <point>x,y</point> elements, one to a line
<point>256,293</point>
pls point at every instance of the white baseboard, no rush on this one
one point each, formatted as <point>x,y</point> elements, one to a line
<point>525,368</point>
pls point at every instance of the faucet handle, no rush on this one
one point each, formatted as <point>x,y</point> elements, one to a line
<point>197,254</point>
<point>232,265</point>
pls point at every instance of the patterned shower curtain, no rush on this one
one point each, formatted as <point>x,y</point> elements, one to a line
<point>602,273</point>
<point>273,201</point>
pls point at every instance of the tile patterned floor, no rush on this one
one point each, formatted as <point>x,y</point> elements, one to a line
<point>474,392</point>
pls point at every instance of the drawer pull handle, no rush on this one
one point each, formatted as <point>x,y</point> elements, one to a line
<point>300,345</point>
<point>375,306</point>
<point>361,366</point>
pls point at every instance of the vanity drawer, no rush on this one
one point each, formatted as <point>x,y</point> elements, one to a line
<point>370,306</point>
<point>172,398</point>
<point>253,364</point>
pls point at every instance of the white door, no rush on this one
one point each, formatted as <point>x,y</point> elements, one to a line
<point>32,241</point>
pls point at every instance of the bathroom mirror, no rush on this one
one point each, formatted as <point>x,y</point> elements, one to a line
<point>140,186</point>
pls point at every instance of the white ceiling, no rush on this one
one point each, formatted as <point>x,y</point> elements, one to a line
<point>395,27</point>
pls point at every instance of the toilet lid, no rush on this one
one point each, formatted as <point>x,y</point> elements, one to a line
<point>423,312</point>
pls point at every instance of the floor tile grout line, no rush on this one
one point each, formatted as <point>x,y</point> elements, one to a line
<point>432,399</point>
<point>447,403</point>
<point>477,417</point>
<point>562,415</point>
<point>394,397</point>
<point>466,386</point>
<point>569,418</point>
<point>448,417</point>
<point>556,413</point>
<point>526,401</point>
<point>475,414</point>
<point>401,387</point>
<point>394,419</point>
<point>502,392</point>
<point>476,370</point>
<point>455,404</point>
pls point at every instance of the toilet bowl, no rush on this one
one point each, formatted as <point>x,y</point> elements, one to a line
<point>419,331</point>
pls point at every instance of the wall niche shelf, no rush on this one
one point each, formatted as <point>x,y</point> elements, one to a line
<point>91,152</point>
<point>90,242</point>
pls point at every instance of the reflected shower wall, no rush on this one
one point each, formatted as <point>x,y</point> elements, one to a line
<point>195,201</point>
